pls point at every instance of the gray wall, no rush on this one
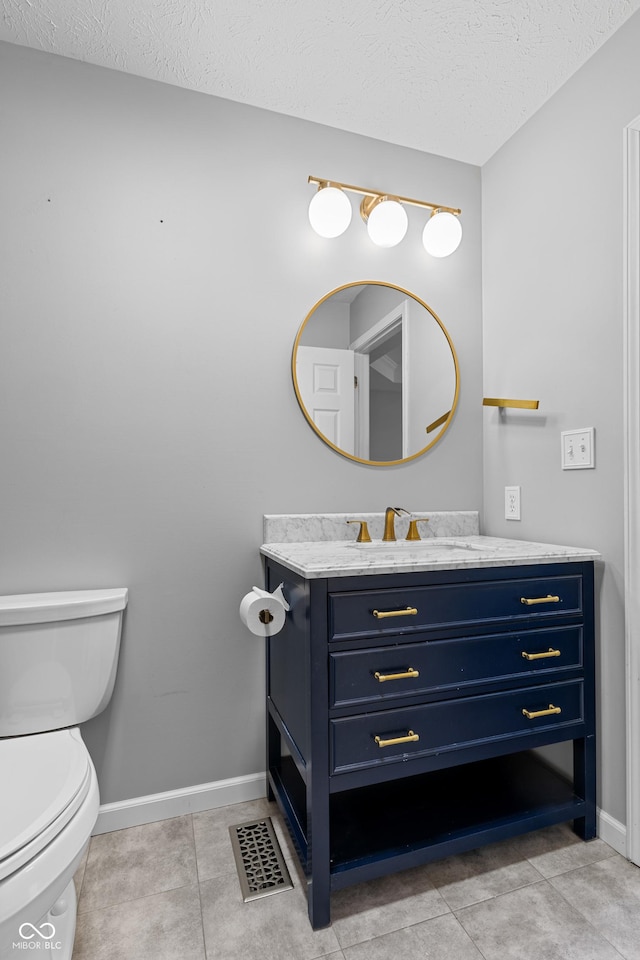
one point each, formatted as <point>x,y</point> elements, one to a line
<point>553,331</point>
<point>328,326</point>
<point>157,262</point>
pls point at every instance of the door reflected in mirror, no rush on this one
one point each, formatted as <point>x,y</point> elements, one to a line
<point>375,373</point>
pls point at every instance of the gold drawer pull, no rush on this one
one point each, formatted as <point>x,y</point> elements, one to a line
<point>531,715</point>
<point>407,612</point>
<point>541,656</point>
<point>409,672</point>
<point>548,599</point>
<point>411,737</point>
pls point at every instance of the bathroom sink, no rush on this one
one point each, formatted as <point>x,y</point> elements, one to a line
<point>430,545</point>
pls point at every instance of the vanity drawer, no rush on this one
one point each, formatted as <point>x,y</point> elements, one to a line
<point>367,740</point>
<point>405,669</point>
<point>410,609</point>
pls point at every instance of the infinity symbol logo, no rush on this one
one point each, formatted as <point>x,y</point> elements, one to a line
<point>36,930</point>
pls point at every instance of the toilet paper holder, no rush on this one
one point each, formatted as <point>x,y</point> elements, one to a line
<point>278,593</point>
<point>263,612</point>
<point>265,616</point>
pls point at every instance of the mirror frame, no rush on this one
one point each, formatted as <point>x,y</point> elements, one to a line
<point>446,423</point>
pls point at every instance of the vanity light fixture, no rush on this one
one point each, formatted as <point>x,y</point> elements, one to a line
<point>330,211</point>
<point>384,215</point>
<point>442,233</point>
<point>386,220</point>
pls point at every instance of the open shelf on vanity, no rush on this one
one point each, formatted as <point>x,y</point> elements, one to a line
<point>416,819</point>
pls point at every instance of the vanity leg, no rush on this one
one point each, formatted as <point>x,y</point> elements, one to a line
<point>318,878</point>
<point>318,841</point>
<point>318,785</point>
<point>274,748</point>
<point>584,779</point>
<point>319,908</point>
<point>584,749</point>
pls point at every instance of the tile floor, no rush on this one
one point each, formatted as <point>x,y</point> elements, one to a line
<point>170,891</point>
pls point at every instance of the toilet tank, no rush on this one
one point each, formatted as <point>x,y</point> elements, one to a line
<point>58,657</point>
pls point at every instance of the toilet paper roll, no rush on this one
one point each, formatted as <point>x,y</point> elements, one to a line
<point>263,612</point>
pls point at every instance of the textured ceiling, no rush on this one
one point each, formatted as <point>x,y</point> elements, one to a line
<point>452,77</point>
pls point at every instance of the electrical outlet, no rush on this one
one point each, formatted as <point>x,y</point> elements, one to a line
<point>578,448</point>
<point>512,503</point>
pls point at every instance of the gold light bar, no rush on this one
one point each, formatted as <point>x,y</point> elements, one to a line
<point>325,182</point>
<point>502,402</point>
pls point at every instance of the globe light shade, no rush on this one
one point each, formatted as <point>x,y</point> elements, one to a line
<point>442,234</point>
<point>387,223</point>
<point>330,212</point>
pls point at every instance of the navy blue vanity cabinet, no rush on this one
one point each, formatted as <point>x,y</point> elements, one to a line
<point>404,711</point>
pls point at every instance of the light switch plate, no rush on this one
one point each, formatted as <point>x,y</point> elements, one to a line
<point>578,449</point>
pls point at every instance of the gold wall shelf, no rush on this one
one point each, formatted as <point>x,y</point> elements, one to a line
<point>503,402</point>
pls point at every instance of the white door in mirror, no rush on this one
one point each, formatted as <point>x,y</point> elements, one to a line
<point>326,382</point>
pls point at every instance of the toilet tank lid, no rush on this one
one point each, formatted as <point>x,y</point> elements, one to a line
<point>65,605</point>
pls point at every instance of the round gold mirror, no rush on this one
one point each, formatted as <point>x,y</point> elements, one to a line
<point>375,373</point>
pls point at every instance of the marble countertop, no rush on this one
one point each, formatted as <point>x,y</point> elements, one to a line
<point>321,558</point>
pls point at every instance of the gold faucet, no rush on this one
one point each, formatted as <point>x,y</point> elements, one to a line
<point>390,521</point>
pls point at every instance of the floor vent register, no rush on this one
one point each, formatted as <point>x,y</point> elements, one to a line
<point>259,861</point>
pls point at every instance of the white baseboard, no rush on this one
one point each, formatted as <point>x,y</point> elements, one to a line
<point>175,803</point>
<point>612,832</point>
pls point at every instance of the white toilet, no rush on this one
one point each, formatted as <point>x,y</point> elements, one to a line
<point>58,659</point>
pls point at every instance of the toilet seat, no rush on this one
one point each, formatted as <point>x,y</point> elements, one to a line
<point>46,778</point>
